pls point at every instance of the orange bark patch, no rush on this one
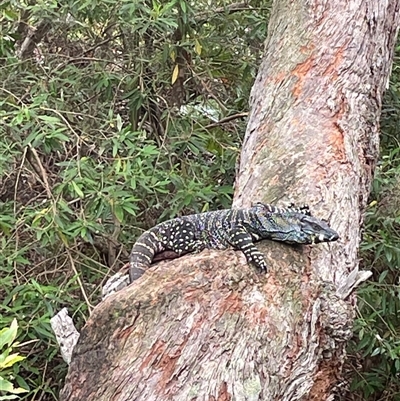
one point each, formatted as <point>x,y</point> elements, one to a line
<point>223,394</point>
<point>300,72</point>
<point>232,303</point>
<point>272,290</point>
<point>281,76</point>
<point>124,334</point>
<point>277,78</point>
<point>167,365</point>
<point>336,142</point>
<point>157,349</point>
<point>334,66</point>
<point>163,361</point>
<point>257,313</point>
<point>307,49</point>
<point>323,382</point>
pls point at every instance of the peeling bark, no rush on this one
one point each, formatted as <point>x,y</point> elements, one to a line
<point>208,326</point>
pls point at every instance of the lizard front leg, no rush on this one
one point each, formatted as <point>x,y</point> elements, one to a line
<point>240,239</point>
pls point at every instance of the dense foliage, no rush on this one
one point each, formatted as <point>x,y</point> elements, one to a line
<point>115,115</point>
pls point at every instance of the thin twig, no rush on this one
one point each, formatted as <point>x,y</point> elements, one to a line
<point>71,260</point>
<point>234,7</point>
<point>91,59</point>
<point>17,179</point>
<point>227,119</point>
<point>15,209</point>
<point>43,173</point>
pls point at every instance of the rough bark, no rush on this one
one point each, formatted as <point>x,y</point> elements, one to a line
<point>208,326</point>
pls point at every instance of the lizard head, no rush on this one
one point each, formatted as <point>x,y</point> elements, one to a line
<point>292,225</point>
<point>314,230</point>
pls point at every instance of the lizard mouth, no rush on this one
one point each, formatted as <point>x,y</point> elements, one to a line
<point>324,238</point>
<point>334,237</point>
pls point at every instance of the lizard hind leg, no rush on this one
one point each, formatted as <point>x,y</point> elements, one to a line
<point>177,235</point>
<point>182,237</point>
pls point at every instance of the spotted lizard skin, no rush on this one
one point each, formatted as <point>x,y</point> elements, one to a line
<point>230,228</point>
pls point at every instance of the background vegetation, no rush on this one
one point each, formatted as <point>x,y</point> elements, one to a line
<point>117,114</point>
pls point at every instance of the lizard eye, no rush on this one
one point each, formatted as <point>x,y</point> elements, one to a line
<point>313,226</point>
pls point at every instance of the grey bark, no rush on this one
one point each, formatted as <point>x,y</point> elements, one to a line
<point>66,334</point>
<point>208,326</point>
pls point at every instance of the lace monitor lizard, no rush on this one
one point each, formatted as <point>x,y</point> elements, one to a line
<point>236,228</point>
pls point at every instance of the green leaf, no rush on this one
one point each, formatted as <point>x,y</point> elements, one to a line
<point>49,119</point>
<point>8,387</point>
<point>77,189</point>
<point>129,210</point>
<point>197,47</point>
<point>8,335</point>
<point>119,213</point>
<point>10,360</point>
<point>30,138</point>
<point>376,351</point>
<point>175,74</point>
<point>382,276</point>
<point>5,385</point>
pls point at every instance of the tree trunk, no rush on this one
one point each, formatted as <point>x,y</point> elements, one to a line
<point>208,326</point>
